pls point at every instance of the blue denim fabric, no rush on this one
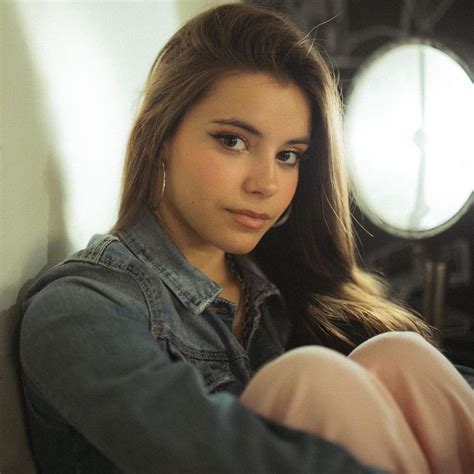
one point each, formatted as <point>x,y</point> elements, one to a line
<point>129,365</point>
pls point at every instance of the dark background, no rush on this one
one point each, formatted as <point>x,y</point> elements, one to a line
<point>349,31</point>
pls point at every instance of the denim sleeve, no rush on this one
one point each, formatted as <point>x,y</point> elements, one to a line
<point>95,361</point>
<point>467,373</point>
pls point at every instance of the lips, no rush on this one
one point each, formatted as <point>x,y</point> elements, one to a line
<point>249,219</point>
<point>247,212</point>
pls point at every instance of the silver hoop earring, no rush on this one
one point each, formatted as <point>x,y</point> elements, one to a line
<point>283,218</point>
<point>164,180</point>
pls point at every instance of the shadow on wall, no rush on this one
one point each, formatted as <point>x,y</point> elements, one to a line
<point>33,216</point>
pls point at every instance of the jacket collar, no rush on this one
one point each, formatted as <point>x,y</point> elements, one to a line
<point>150,243</point>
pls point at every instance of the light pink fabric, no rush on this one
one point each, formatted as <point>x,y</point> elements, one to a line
<point>395,402</point>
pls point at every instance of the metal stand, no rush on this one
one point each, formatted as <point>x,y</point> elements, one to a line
<point>434,297</point>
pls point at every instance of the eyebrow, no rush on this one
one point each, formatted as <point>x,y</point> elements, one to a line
<point>251,129</point>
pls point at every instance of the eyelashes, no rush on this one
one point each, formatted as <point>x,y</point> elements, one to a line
<point>233,142</point>
<point>225,140</point>
<point>296,157</point>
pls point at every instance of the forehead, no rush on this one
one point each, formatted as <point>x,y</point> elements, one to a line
<point>260,99</point>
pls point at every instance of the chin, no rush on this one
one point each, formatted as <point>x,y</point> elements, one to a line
<point>241,246</point>
<point>240,250</point>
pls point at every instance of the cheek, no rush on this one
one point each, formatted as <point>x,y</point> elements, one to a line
<point>205,177</point>
<point>290,185</point>
<point>212,175</point>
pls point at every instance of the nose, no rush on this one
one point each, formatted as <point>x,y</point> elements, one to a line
<point>262,176</point>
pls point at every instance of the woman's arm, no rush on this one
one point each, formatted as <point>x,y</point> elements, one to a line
<point>97,365</point>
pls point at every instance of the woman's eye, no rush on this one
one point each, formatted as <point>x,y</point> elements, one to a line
<point>231,141</point>
<point>289,157</point>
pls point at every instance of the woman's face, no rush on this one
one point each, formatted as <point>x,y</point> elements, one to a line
<point>232,164</point>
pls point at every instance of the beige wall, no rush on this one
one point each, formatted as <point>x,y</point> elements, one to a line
<point>69,84</point>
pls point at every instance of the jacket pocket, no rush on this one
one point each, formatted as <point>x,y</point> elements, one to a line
<point>217,375</point>
<point>213,367</point>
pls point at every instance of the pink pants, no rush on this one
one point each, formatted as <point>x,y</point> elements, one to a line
<point>395,402</point>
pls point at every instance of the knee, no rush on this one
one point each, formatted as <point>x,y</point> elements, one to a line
<point>304,370</point>
<point>308,379</point>
<point>306,362</point>
<point>401,348</point>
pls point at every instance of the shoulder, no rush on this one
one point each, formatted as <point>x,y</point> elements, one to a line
<point>103,260</point>
<point>106,251</point>
<point>101,279</point>
<point>92,300</point>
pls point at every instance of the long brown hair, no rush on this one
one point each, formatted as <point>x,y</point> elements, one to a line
<point>312,257</point>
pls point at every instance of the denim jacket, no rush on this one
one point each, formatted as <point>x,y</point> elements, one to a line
<point>130,365</point>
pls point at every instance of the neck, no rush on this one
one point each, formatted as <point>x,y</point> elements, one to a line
<point>212,264</point>
<point>208,259</point>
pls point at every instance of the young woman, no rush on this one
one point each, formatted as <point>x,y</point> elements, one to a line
<point>224,325</point>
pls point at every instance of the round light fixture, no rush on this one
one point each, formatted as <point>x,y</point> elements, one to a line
<point>409,138</point>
